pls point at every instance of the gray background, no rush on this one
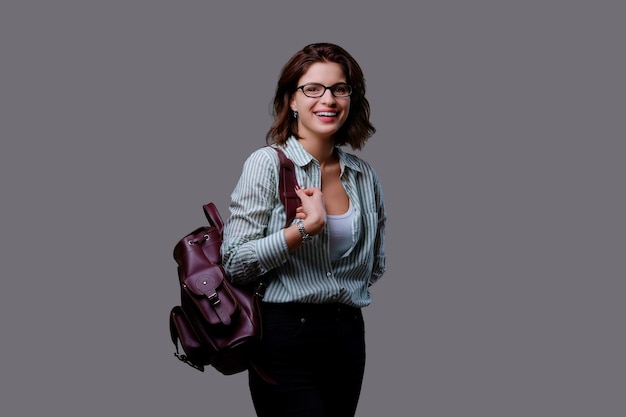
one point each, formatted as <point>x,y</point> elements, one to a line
<point>500,145</point>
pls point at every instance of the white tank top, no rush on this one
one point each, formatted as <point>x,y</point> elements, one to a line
<point>340,233</point>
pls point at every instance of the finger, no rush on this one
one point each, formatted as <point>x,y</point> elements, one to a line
<point>305,192</point>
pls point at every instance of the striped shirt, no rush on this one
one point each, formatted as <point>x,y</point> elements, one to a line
<point>254,241</point>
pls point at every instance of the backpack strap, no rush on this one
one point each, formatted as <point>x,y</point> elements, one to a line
<point>287,183</point>
<point>213,216</point>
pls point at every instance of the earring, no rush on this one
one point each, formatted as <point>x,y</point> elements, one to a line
<point>295,114</point>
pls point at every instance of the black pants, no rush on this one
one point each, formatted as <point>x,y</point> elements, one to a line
<point>316,355</point>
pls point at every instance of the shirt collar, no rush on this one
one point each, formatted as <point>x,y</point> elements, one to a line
<point>296,152</point>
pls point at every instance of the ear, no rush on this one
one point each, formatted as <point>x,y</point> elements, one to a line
<point>292,103</point>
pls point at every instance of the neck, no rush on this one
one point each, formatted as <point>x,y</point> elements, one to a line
<point>323,151</point>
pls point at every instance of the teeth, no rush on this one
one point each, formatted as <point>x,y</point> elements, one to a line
<point>326,113</point>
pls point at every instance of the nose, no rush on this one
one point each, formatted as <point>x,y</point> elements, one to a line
<point>327,95</point>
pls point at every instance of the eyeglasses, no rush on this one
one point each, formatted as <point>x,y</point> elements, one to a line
<point>316,90</point>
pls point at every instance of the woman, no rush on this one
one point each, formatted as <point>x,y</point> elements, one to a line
<point>322,265</point>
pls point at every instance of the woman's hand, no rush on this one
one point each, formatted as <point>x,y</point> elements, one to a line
<point>312,211</point>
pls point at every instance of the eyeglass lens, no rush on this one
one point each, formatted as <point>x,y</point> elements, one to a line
<point>318,90</point>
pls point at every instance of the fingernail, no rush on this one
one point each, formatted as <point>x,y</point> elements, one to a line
<point>297,187</point>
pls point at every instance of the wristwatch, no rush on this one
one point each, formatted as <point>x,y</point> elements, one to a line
<point>305,235</point>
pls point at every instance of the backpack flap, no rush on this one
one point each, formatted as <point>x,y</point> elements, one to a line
<point>212,298</point>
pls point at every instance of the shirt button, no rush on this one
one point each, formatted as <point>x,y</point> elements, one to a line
<point>329,274</point>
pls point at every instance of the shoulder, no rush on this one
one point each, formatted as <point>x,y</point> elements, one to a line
<point>261,159</point>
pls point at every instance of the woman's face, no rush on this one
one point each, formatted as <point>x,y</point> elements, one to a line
<point>321,116</point>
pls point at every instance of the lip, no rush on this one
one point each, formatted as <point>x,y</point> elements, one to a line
<point>322,113</point>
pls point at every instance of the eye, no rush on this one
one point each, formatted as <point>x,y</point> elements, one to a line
<point>312,88</point>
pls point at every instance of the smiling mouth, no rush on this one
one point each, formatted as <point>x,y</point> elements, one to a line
<point>326,113</point>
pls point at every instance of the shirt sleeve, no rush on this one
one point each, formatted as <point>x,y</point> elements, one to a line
<point>380,266</point>
<point>253,243</point>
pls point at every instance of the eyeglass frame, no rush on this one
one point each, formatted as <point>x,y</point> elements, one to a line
<point>326,88</point>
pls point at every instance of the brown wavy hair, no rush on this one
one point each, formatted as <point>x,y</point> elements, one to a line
<point>357,128</point>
